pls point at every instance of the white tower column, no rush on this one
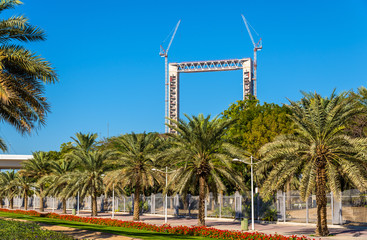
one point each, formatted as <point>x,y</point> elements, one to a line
<point>173,94</point>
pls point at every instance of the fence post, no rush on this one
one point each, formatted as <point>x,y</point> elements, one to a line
<point>307,209</point>
<point>132,203</point>
<point>220,196</point>
<point>176,204</point>
<point>284,210</point>
<point>152,203</point>
<point>237,204</point>
<point>341,208</point>
<point>332,207</point>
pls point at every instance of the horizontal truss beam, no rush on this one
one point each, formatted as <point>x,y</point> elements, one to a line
<point>210,66</point>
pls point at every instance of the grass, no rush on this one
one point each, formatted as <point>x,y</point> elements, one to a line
<point>128,232</point>
<point>11,230</point>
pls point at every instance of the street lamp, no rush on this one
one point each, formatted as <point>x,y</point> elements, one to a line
<point>252,191</point>
<point>166,198</point>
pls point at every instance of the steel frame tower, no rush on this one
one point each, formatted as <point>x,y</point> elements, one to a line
<point>175,69</point>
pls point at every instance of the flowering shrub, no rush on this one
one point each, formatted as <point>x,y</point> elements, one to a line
<point>179,230</point>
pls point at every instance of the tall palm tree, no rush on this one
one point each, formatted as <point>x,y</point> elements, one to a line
<point>36,168</point>
<point>202,158</point>
<point>87,179</point>
<point>7,188</point>
<point>22,73</point>
<point>319,151</point>
<point>134,164</point>
<point>55,182</point>
<point>23,185</point>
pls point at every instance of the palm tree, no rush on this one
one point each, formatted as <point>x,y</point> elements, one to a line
<point>202,158</point>
<point>85,142</point>
<point>319,151</point>
<point>87,179</point>
<point>23,185</point>
<point>55,179</point>
<point>7,188</point>
<point>36,168</point>
<point>134,164</point>
<point>22,73</point>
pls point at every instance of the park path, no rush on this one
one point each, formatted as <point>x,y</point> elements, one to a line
<point>84,234</point>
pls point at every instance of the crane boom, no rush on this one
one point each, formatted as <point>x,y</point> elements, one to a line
<point>248,30</point>
<point>173,36</point>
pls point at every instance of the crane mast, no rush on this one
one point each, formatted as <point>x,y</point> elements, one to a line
<point>164,53</point>
<point>257,47</point>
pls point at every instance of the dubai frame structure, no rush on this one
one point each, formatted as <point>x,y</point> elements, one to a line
<point>173,71</point>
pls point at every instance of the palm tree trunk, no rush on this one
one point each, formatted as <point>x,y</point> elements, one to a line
<point>136,203</point>
<point>63,205</point>
<point>201,218</point>
<point>25,201</point>
<point>41,199</point>
<point>321,201</point>
<point>94,205</point>
<point>1,203</point>
<point>11,203</point>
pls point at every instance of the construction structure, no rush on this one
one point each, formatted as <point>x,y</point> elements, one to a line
<point>175,69</point>
<point>172,76</point>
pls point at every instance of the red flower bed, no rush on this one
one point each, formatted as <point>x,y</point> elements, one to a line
<point>29,212</point>
<point>180,230</point>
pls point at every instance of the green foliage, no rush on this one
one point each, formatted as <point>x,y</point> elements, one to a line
<point>270,214</point>
<point>7,187</point>
<point>23,73</point>
<point>133,164</point>
<point>227,211</point>
<point>202,158</point>
<point>10,230</point>
<point>357,125</point>
<point>256,124</point>
<point>319,153</point>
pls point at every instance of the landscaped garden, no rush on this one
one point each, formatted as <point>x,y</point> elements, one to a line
<point>315,145</point>
<point>139,229</point>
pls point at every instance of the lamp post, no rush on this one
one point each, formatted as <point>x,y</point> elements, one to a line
<point>166,197</point>
<point>252,190</point>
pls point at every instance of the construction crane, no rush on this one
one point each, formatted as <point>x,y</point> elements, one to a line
<point>164,53</point>
<point>257,47</point>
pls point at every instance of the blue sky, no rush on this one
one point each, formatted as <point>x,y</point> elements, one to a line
<point>106,55</point>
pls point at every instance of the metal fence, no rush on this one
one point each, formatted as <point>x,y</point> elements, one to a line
<point>347,207</point>
<point>218,207</point>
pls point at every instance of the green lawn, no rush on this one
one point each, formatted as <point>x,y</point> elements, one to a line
<point>134,233</point>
